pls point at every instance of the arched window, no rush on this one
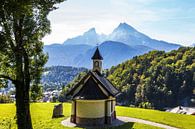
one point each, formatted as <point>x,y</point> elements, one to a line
<point>96,64</point>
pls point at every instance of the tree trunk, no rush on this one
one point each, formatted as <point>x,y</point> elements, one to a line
<point>22,91</point>
<point>23,107</point>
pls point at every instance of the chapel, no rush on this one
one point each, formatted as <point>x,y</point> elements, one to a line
<point>94,97</point>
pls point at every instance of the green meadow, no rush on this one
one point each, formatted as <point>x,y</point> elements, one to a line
<point>41,117</point>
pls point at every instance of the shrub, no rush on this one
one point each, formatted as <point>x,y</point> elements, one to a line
<point>5,99</point>
<point>146,105</point>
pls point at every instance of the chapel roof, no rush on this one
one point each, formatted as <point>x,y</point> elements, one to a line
<point>97,55</point>
<point>90,92</point>
<point>93,86</point>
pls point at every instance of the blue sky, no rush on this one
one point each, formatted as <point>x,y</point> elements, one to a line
<point>169,20</point>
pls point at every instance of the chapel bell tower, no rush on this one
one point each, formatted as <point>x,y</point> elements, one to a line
<point>97,61</point>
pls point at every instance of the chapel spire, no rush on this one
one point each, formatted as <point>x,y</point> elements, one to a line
<point>97,61</point>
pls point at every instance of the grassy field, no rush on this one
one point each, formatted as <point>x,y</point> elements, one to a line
<point>42,112</point>
<point>41,117</point>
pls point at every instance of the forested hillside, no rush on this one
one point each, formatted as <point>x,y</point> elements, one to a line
<point>57,76</point>
<point>156,79</point>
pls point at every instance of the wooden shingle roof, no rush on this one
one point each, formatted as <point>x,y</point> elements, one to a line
<point>90,91</point>
<point>93,86</point>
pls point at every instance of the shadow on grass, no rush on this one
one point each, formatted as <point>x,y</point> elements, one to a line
<point>116,124</point>
<point>128,125</point>
<point>7,123</point>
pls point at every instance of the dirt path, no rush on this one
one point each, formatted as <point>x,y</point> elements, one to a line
<point>120,121</point>
<point>130,119</point>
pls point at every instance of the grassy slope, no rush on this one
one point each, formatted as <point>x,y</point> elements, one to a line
<point>42,112</point>
<point>177,120</point>
<point>41,117</point>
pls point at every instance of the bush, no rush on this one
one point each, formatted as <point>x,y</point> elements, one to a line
<point>5,99</point>
<point>146,105</point>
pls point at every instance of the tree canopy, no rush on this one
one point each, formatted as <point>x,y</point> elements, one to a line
<point>23,24</point>
<point>156,79</point>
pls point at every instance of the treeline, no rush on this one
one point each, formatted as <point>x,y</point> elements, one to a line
<point>156,79</point>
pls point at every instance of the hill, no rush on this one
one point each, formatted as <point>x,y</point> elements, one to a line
<point>41,114</point>
<point>57,76</point>
<point>77,50</point>
<point>157,79</point>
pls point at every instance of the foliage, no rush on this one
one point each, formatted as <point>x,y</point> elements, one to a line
<point>42,117</point>
<point>23,24</point>
<point>146,105</point>
<point>5,99</point>
<point>36,92</point>
<point>54,99</point>
<point>55,77</point>
<point>157,78</point>
<point>3,82</point>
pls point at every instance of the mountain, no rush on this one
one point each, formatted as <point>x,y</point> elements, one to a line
<point>123,33</point>
<point>80,55</point>
<point>129,35</point>
<point>90,38</point>
<point>64,54</point>
<point>112,52</point>
<point>124,43</point>
<point>192,45</point>
<point>57,76</point>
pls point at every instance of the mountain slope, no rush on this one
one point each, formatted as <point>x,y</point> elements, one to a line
<point>112,52</point>
<point>64,54</point>
<point>129,35</point>
<point>90,38</point>
<point>80,55</point>
<point>123,33</point>
<point>192,45</point>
